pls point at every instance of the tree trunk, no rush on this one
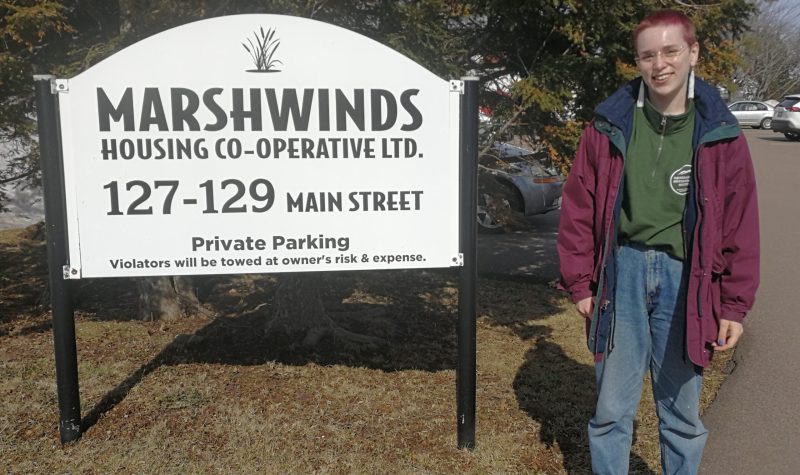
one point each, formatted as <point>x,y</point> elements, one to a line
<point>299,312</point>
<point>166,298</point>
<point>300,316</point>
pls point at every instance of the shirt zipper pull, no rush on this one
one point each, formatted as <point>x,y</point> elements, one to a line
<point>660,145</point>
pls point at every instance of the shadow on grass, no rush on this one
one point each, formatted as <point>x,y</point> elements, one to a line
<point>23,277</point>
<point>413,311</point>
<point>551,387</point>
<point>417,316</point>
<point>560,393</point>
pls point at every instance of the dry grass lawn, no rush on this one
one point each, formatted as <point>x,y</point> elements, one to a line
<point>209,395</point>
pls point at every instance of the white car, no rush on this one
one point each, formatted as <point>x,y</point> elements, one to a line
<point>756,114</point>
<point>787,117</point>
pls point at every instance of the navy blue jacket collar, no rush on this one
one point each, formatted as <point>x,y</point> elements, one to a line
<point>711,111</point>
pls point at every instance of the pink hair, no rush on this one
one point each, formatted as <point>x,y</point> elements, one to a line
<point>667,18</point>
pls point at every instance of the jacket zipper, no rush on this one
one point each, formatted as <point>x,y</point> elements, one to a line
<point>602,299</point>
<point>701,216</point>
<point>660,145</point>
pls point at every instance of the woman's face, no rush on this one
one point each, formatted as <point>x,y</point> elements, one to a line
<point>665,59</point>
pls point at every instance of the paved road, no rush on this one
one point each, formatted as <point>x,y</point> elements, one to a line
<point>754,423</point>
<point>530,253</point>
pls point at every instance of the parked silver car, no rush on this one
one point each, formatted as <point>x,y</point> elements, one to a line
<point>756,114</point>
<point>514,183</point>
<point>787,117</point>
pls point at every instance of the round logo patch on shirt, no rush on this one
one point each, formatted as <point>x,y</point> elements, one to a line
<point>680,178</point>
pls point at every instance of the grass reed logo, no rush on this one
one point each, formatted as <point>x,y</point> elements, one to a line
<point>263,50</point>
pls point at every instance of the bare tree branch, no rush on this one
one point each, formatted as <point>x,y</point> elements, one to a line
<point>771,67</point>
<point>22,176</point>
<point>694,5</point>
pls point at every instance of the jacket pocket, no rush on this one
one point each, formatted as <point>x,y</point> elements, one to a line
<point>719,266</point>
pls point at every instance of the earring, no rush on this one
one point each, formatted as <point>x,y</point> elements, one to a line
<point>640,101</point>
<point>690,93</point>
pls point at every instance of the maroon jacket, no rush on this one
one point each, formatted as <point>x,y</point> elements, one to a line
<point>720,221</point>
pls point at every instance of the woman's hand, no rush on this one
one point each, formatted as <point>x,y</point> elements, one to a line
<point>728,336</point>
<point>584,307</point>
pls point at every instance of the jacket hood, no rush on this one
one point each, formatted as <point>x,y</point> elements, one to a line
<point>710,109</point>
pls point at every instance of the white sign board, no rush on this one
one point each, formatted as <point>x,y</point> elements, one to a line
<point>258,143</point>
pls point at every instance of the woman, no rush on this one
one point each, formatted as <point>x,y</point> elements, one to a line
<point>658,242</point>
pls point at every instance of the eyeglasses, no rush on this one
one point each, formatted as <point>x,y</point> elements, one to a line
<point>669,54</point>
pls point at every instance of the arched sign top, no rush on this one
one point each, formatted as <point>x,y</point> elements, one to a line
<point>257,49</point>
<point>259,143</point>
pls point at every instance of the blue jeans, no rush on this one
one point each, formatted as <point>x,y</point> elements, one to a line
<point>649,329</point>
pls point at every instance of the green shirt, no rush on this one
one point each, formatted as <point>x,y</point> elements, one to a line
<point>658,170</point>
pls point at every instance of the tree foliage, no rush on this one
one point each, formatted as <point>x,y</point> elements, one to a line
<point>544,64</point>
<point>26,29</point>
<point>566,56</point>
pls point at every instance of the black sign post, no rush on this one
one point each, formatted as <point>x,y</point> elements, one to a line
<point>466,371</point>
<point>69,403</point>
